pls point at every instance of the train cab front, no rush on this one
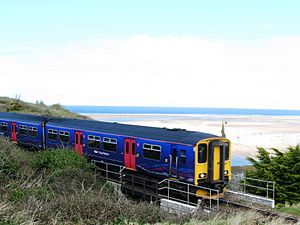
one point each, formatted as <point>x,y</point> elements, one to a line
<point>212,167</point>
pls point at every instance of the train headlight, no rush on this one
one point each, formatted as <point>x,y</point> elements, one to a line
<point>226,172</point>
<point>202,175</point>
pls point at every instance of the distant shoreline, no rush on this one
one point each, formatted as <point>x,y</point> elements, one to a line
<point>177,110</point>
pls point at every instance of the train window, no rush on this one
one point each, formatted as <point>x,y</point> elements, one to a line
<point>94,141</point>
<point>182,157</point>
<point>4,126</point>
<point>174,156</point>
<point>133,148</point>
<point>226,151</point>
<point>156,147</point>
<point>81,139</point>
<point>151,151</point>
<point>127,147</point>
<point>64,136</point>
<point>32,131</point>
<point>110,144</point>
<point>147,146</point>
<point>76,139</point>
<point>23,130</point>
<point>202,153</point>
<point>52,135</point>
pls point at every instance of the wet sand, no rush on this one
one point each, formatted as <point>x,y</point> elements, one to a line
<point>245,132</point>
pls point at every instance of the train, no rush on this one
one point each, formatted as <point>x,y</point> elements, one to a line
<point>196,158</point>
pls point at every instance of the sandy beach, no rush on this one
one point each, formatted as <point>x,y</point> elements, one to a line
<point>245,132</point>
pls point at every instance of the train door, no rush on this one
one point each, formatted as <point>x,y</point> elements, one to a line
<point>216,161</point>
<point>130,153</point>
<point>216,150</point>
<point>173,162</point>
<point>13,132</point>
<point>79,142</point>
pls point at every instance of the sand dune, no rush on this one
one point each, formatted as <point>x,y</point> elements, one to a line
<point>245,132</point>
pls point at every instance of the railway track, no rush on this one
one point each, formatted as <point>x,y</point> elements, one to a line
<point>264,212</point>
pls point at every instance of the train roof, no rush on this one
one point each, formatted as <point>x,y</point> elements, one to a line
<point>162,134</point>
<point>26,118</point>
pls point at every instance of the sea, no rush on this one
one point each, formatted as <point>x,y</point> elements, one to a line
<point>154,112</point>
<point>179,110</point>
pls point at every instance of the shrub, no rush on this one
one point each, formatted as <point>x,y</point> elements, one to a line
<point>11,158</point>
<point>281,167</point>
<point>57,161</point>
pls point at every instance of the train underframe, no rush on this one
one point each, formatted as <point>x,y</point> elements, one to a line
<point>146,187</point>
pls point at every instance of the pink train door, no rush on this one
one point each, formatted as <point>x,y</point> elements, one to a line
<point>130,153</point>
<point>78,142</point>
<point>13,132</point>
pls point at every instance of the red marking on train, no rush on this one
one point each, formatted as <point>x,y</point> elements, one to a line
<point>130,153</point>
<point>79,142</point>
<point>13,132</point>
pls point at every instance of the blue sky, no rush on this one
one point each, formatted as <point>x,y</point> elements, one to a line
<point>241,40</point>
<point>48,23</point>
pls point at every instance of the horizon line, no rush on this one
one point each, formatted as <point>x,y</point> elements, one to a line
<point>182,107</point>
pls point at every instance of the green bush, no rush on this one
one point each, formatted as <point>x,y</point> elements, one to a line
<point>281,167</point>
<point>55,162</point>
<point>22,193</point>
<point>11,158</point>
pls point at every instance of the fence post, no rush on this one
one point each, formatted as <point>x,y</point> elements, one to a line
<point>209,199</point>
<point>106,167</point>
<point>273,190</point>
<point>168,189</point>
<point>120,174</point>
<point>188,194</point>
<point>218,203</point>
<point>144,187</point>
<point>132,184</point>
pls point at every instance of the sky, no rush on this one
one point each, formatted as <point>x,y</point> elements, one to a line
<point>181,53</point>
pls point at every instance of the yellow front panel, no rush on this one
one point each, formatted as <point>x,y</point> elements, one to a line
<point>200,167</point>
<point>216,163</point>
<point>203,167</point>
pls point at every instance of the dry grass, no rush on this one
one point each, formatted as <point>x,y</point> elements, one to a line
<point>39,108</point>
<point>59,187</point>
<point>239,218</point>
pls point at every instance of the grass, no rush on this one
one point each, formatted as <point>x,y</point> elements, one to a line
<point>290,209</point>
<point>39,108</point>
<point>60,187</point>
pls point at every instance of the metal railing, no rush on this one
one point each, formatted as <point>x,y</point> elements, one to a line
<point>139,184</point>
<point>170,189</point>
<point>253,186</point>
<point>114,175</point>
<point>269,186</point>
<point>188,193</point>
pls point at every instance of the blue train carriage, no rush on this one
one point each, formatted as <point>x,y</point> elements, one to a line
<point>198,158</point>
<point>86,137</point>
<point>24,129</point>
<point>138,148</point>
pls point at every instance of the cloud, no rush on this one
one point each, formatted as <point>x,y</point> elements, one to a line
<point>159,71</point>
<point>269,26</point>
